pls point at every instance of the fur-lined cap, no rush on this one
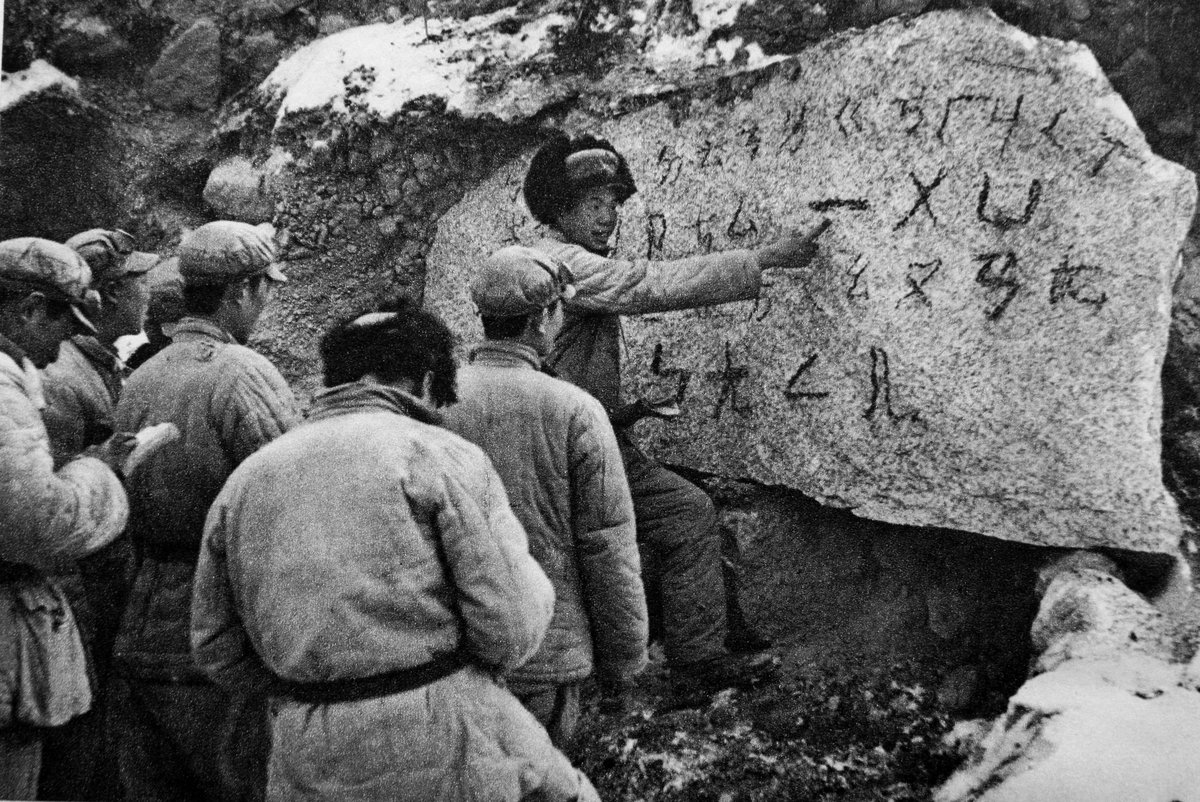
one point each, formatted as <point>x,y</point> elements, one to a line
<point>563,168</point>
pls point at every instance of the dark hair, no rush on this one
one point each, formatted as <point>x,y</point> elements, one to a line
<point>504,328</point>
<point>547,193</point>
<point>403,342</point>
<point>205,299</point>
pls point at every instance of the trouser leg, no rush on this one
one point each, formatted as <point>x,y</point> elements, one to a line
<point>556,708</point>
<point>20,761</point>
<point>190,742</point>
<point>678,535</point>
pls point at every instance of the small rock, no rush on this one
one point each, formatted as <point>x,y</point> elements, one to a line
<point>86,42</point>
<point>236,190</point>
<point>188,72</point>
<point>1078,10</point>
<point>333,23</point>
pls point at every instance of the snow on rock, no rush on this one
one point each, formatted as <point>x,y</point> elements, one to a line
<point>39,76</point>
<point>1110,730</point>
<point>383,67</point>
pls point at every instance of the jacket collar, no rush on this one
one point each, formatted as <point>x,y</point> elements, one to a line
<point>361,396</point>
<point>505,354</point>
<point>197,328</point>
<point>100,355</point>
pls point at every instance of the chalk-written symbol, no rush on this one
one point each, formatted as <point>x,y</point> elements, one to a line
<point>1001,278</point>
<point>669,163</point>
<point>924,191</point>
<point>731,378</point>
<point>656,232</point>
<point>881,390</point>
<point>704,234</point>
<point>951,104</point>
<point>707,155</point>
<point>1048,130</point>
<point>683,375</point>
<point>843,118</point>
<point>858,287</point>
<point>1114,146</point>
<point>1011,119</point>
<point>795,129</point>
<point>790,391</point>
<point>741,226</point>
<point>853,204</point>
<point>917,276</point>
<point>1075,282</point>
<point>910,108</point>
<point>1003,221</point>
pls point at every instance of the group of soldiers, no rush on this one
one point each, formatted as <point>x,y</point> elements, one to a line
<point>398,595</point>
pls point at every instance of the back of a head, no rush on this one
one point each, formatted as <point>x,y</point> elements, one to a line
<point>549,188</point>
<point>397,342</point>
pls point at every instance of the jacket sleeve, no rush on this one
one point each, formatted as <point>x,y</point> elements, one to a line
<point>220,646</point>
<point>606,547</point>
<point>255,407</point>
<point>616,286</point>
<point>49,518</point>
<point>503,596</point>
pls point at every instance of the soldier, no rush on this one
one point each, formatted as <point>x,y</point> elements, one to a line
<point>179,735</point>
<point>48,518</point>
<point>576,186</point>
<point>554,448</point>
<point>367,571</point>
<point>81,388</point>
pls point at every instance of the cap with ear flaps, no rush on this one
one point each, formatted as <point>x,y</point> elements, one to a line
<point>33,264</point>
<point>518,280</point>
<point>228,251</point>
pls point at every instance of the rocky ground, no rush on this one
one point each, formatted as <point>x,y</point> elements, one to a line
<point>814,734</point>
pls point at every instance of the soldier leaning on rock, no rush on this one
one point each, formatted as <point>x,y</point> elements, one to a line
<point>48,518</point>
<point>179,736</point>
<point>576,186</point>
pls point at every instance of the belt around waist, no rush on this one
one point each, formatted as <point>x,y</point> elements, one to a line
<point>373,687</point>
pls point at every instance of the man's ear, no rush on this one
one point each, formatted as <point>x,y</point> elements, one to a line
<point>536,322</point>
<point>427,386</point>
<point>32,306</point>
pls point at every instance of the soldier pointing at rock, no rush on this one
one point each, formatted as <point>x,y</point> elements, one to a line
<point>576,187</point>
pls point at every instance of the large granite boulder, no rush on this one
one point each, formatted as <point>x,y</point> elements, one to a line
<point>978,346</point>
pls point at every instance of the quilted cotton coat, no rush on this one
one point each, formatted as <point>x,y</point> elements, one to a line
<point>228,402</point>
<point>370,540</point>
<point>48,519</point>
<point>554,448</point>
<point>587,352</point>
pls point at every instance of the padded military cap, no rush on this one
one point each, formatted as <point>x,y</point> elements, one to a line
<point>518,280</point>
<point>32,264</point>
<point>110,254</point>
<point>227,251</point>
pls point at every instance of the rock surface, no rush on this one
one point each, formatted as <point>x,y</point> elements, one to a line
<point>978,346</point>
<point>188,72</point>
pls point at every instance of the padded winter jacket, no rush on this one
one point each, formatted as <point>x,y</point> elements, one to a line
<point>556,452</point>
<point>81,389</point>
<point>228,402</point>
<point>587,352</point>
<point>48,519</point>
<point>367,541</point>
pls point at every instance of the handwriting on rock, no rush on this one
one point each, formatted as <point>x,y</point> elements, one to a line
<point>730,378</point>
<point>682,375</point>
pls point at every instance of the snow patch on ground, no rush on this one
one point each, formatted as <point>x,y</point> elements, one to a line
<point>1091,731</point>
<point>714,14</point>
<point>37,77</point>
